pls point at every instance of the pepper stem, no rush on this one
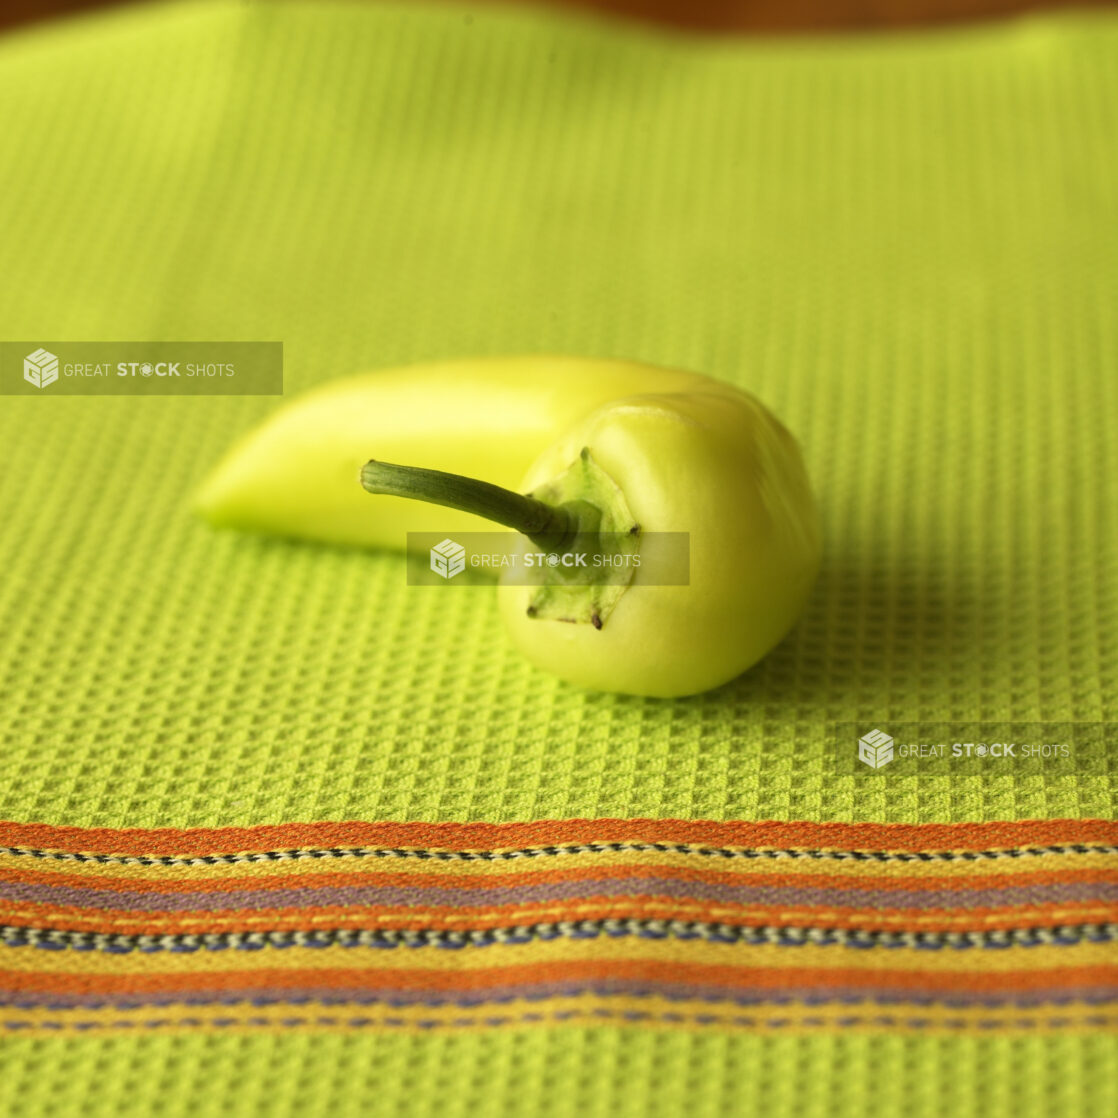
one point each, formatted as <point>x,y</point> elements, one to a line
<point>551,526</point>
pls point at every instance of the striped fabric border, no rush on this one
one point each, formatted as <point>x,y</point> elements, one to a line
<point>993,927</point>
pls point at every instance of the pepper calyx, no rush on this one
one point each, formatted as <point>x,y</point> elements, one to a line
<point>605,537</point>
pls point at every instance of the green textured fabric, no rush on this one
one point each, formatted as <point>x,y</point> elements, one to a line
<point>906,246</point>
<point>596,1073</point>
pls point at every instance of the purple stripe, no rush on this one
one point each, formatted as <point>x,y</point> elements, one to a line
<point>879,1020</point>
<point>1093,995</point>
<point>420,896</point>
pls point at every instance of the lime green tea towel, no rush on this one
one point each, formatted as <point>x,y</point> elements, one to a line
<point>906,246</point>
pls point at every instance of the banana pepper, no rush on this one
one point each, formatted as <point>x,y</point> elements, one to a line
<point>634,451</point>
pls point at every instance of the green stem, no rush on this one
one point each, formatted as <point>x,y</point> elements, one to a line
<point>547,525</point>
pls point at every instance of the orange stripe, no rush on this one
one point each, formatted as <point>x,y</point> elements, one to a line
<point>840,879</point>
<point>766,978</point>
<point>898,837</point>
<point>459,918</point>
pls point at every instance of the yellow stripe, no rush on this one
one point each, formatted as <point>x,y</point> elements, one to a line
<point>365,915</point>
<point>586,1010</point>
<point>976,961</point>
<point>745,867</point>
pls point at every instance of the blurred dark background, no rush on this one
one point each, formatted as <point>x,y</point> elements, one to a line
<point>707,15</point>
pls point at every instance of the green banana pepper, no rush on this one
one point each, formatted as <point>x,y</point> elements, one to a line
<point>634,451</point>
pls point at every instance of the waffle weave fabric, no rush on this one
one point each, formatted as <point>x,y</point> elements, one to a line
<point>904,245</point>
